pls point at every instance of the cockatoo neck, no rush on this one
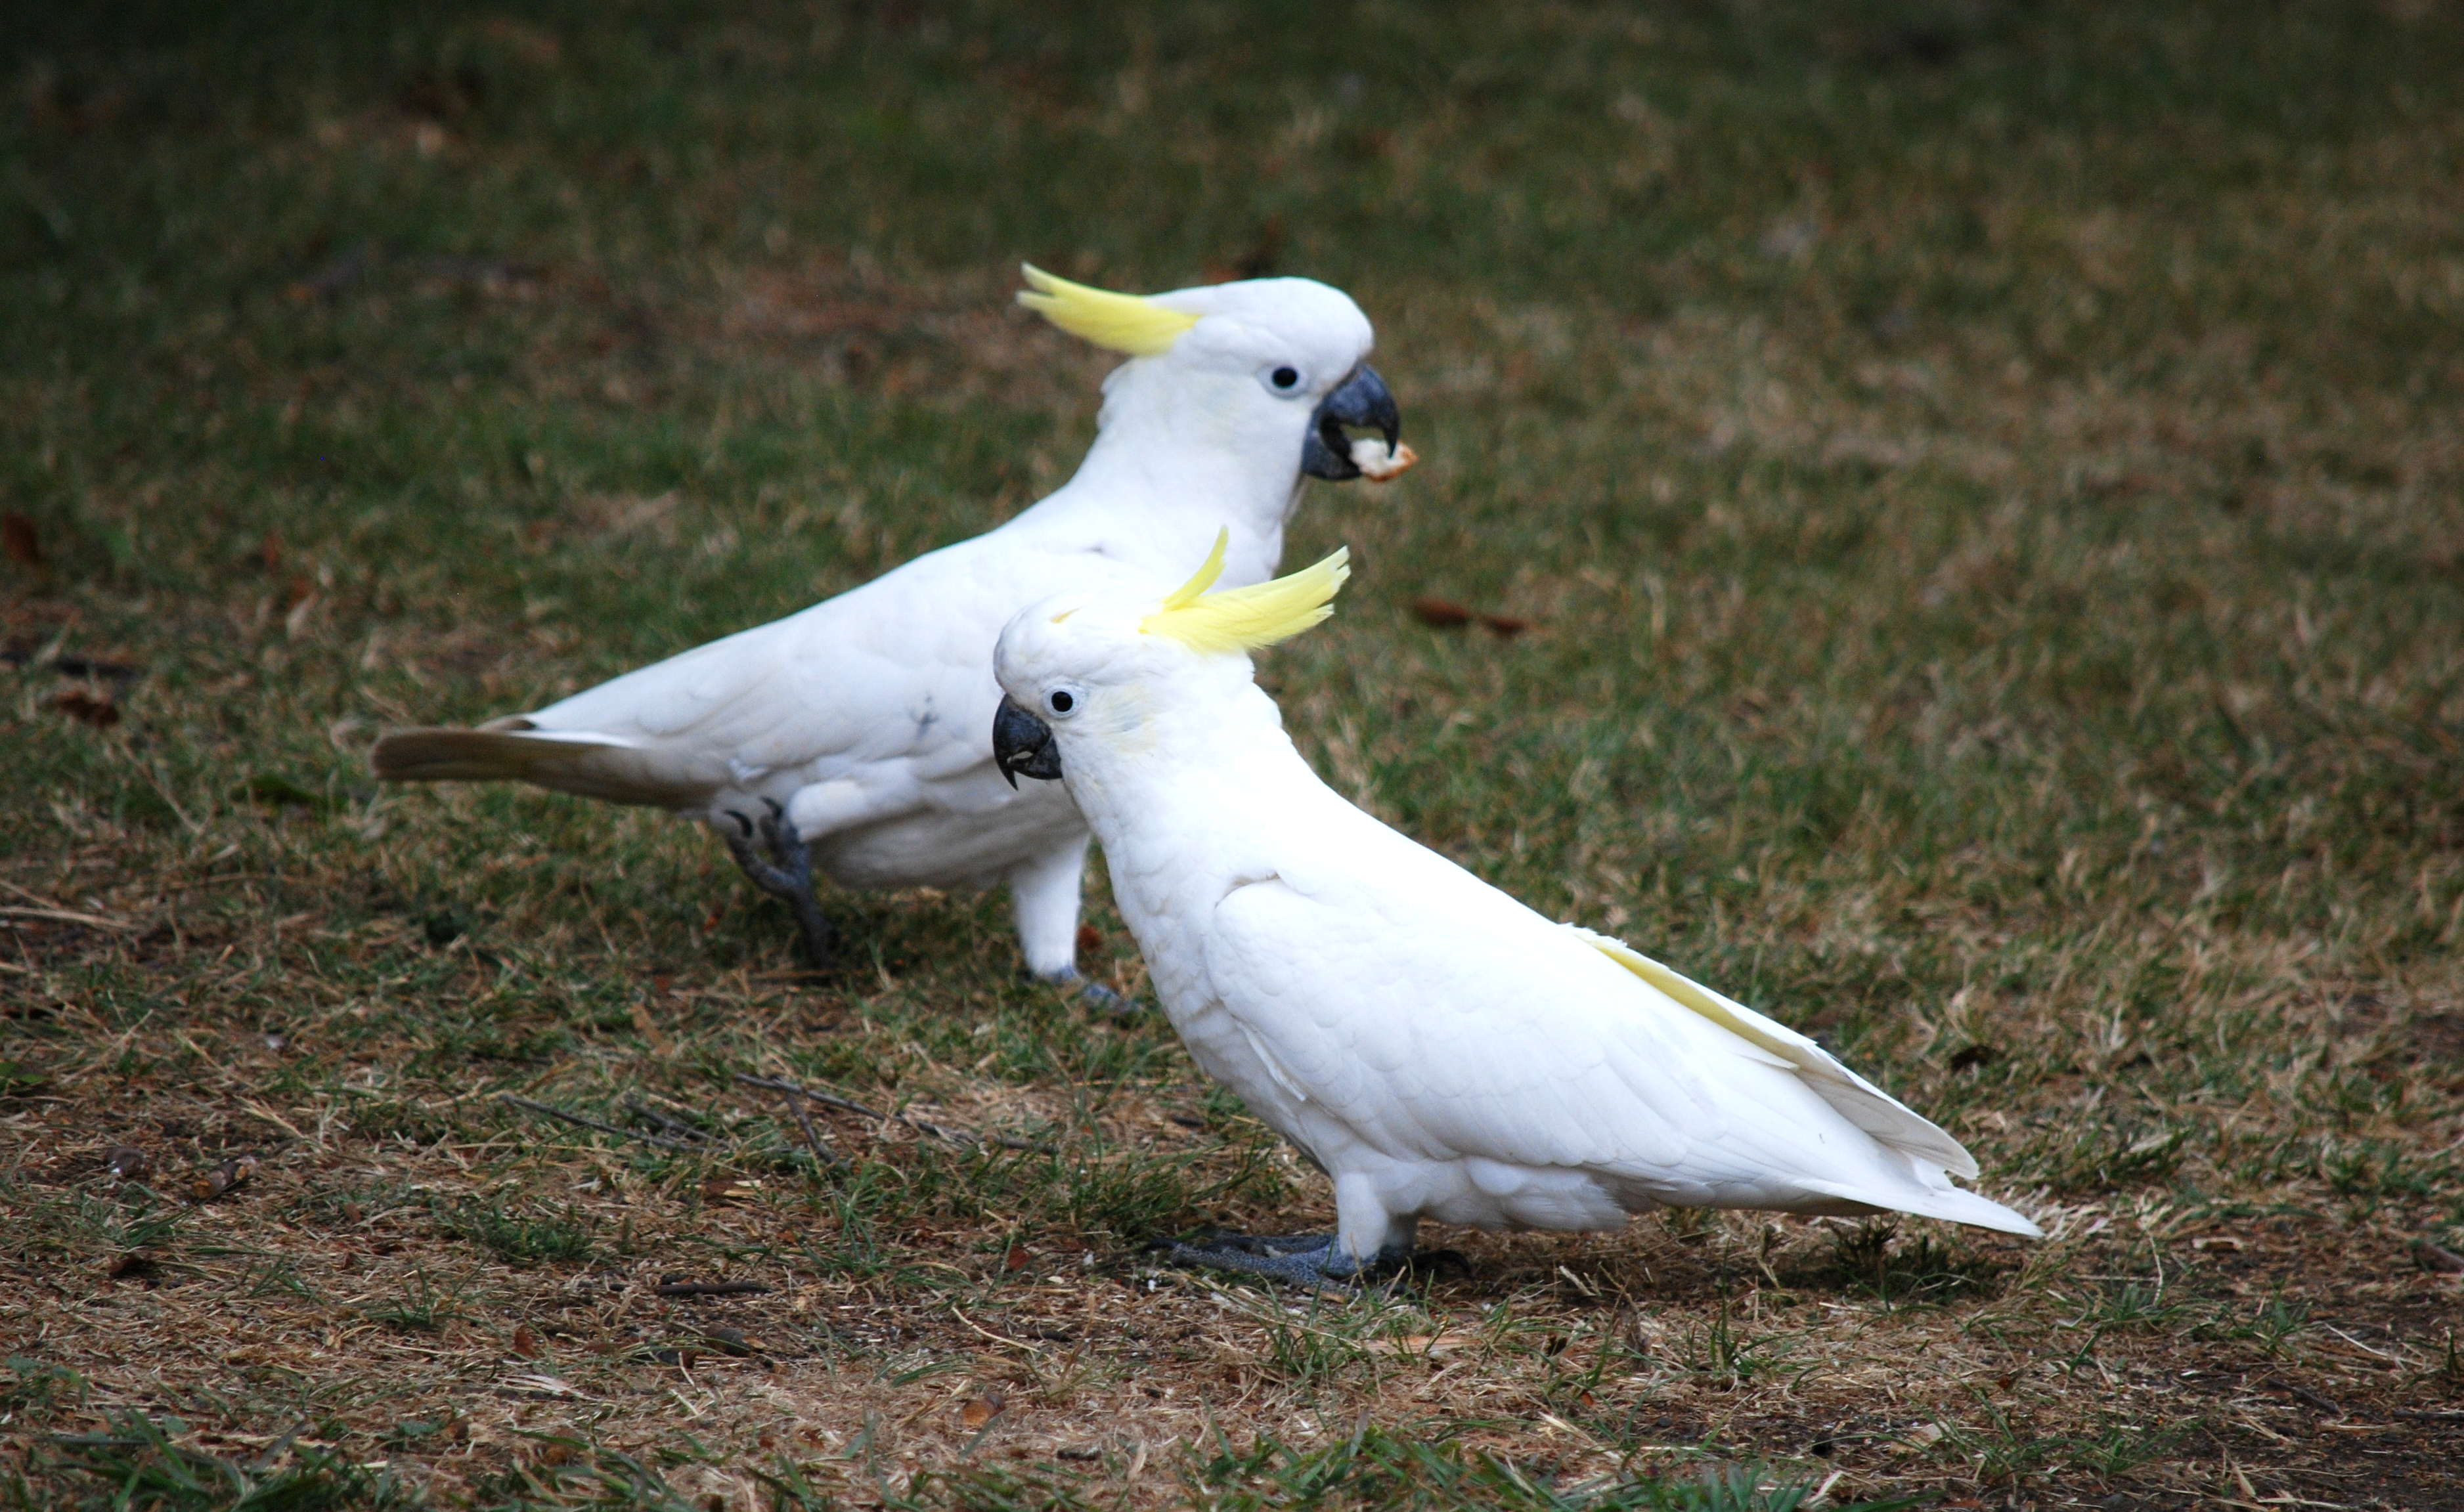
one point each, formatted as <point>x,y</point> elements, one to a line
<point>1206,742</point>
<point>1183,453</point>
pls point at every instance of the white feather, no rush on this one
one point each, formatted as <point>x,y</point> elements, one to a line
<point>868,717</point>
<point>1440,1049</point>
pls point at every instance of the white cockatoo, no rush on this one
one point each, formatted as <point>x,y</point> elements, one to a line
<point>854,737</point>
<point>1437,1048</point>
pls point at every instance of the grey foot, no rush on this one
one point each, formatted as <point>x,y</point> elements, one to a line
<point>1311,1260</point>
<point>783,866</point>
<point>1094,994</point>
<point>1104,1001</point>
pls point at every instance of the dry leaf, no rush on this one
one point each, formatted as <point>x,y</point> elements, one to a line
<point>91,709</point>
<point>222,1178</point>
<point>1444,613</point>
<point>525,1343</point>
<point>1017,1259</point>
<point>18,538</point>
<point>729,1189</point>
<point>977,1410</point>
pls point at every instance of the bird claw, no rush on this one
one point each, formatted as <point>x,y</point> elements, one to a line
<point>781,866</point>
<point>1311,1261</point>
<point>1094,994</point>
<point>1104,999</point>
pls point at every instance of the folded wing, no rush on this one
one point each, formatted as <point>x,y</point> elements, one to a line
<point>1450,1021</point>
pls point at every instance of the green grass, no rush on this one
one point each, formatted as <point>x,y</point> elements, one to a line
<point>1986,484</point>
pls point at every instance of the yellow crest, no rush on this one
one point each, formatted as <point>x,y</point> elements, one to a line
<point>1247,619</point>
<point>1117,322</point>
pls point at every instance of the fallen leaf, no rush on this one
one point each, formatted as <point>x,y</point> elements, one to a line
<point>731,1341</point>
<point>1016,1259</point>
<point>127,1162</point>
<point>1444,613</point>
<point>525,1343</point>
<point>729,1189</point>
<point>91,709</point>
<point>18,538</point>
<point>977,1410</point>
<point>222,1178</point>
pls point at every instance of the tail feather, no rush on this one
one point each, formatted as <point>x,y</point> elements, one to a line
<point>1950,1203</point>
<point>1892,1123</point>
<point>433,754</point>
<point>613,768</point>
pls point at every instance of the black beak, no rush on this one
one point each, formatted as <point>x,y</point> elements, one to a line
<point>1023,744</point>
<point>1362,401</point>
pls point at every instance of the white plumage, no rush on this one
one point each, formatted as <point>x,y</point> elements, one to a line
<point>1440,1049</point>
<point>862,721</point>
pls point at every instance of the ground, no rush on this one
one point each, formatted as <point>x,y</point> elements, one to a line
<point>1968,497</point>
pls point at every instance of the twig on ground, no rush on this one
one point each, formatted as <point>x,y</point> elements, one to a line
<point>711,1288</point>
<point>2302,1393</point>
<point>821,1151</point>
<point>2437,1257</point>
<point>676,1126</point>
<point>660,1140</point>
<point>11,911</point>
<point>956,1137</point>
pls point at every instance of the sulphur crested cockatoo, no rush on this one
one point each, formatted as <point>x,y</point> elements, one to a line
<point>1436,1047</point>
<point>853,737</point>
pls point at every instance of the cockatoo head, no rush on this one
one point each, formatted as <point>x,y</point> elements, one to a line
<point>1279,364</point>
<point>1098,675</point>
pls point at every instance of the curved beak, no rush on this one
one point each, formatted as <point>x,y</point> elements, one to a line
<point>1363,401</point>
<point>1023,744</point>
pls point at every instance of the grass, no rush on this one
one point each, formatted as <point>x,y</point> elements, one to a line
<point>1983,480</point>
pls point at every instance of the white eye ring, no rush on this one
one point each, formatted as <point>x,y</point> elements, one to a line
<point>1282,380</point>
<point>1062,702</point>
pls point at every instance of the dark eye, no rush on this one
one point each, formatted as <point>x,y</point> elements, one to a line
<point>1284,378</point>
<point>1063,703</point>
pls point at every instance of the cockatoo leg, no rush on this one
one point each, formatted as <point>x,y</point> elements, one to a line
<point>1044,893</point>
<point>1296,1260</point>
<point>785,873</point>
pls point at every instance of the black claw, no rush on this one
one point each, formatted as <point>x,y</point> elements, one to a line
<point>787,875</point>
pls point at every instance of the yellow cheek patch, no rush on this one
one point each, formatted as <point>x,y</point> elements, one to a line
<point>1247,619</point>
<point>1117,322</point>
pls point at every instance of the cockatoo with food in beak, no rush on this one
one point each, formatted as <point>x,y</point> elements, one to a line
<point>1437,1048</point>
<point>852,738</point>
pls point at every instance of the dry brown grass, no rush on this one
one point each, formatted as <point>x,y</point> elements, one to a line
<point>1985,492</point>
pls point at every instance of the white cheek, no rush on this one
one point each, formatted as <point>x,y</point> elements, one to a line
<point>1129,722</point>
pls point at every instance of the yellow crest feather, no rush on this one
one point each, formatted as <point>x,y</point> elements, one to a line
<point>1247,619</point>
<point>1117,322</point>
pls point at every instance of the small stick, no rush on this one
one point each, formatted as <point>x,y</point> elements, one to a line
<point>956,1137</point>
<point>591,1123</point>
<point>63,916</point>
<point>673,1126</point>
<point>711,1288</point>
<point>813,1136</point>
